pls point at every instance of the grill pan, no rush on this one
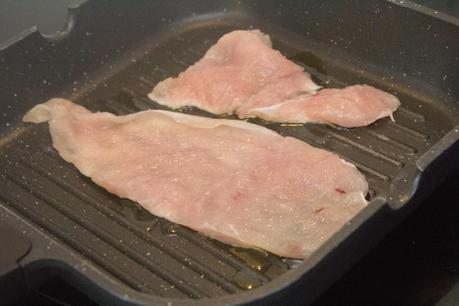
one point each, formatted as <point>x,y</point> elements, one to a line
<point>58,224</point>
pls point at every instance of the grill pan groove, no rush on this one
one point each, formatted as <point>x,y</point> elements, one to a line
<point>128,51</point>
<point>45,155</point>
<point>91,227</point>
<point>153,239</point>
<point>88,252</point>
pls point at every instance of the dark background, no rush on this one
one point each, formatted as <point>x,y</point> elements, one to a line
<point>417,264</point>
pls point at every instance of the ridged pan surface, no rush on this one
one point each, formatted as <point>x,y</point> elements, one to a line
<point>153,255</point>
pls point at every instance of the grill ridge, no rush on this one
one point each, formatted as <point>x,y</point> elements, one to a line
<point>382,151</point>
<point>153,239</point>
<point>75,243</point>
<point>150,263</point>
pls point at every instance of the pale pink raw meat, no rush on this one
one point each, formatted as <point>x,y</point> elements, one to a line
<point>353,106</point>
<point>276,92</point>
<point>231,180</point>
<point>240,65</point>
<point>242,74</point>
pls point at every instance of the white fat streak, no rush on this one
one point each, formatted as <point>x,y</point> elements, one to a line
<point>386,113</point>
<point>270,110</point>
<point>363,198</point>
<point>390,113</point>
<point>163,101</point>
<point>267,109</point>
<point>273,108</point>
<point>235,232</point>
<point>314,89</point>
<point>209,123</point>
<point>183,103</point>
<point>392,117</point>
<point>363,177</point>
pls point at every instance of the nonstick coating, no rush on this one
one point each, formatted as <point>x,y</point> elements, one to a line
<point>108,58</point>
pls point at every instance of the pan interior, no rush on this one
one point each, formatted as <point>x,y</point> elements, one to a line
<point>157,257</point>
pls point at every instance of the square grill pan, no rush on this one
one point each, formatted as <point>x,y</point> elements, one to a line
<point>109,56</point>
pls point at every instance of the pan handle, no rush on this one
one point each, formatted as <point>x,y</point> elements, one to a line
<point>13,247</point>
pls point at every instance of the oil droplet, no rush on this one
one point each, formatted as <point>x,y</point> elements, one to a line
<point>247,279</point>
<point>253,258</point>
<point>168,229</point>
<point>279,267</point>
<point>292,263</point>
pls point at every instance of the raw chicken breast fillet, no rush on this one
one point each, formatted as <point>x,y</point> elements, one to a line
<point>353,106</point>
<point>242,74</point>
<point>241,64</point>
<point>231,180</point>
